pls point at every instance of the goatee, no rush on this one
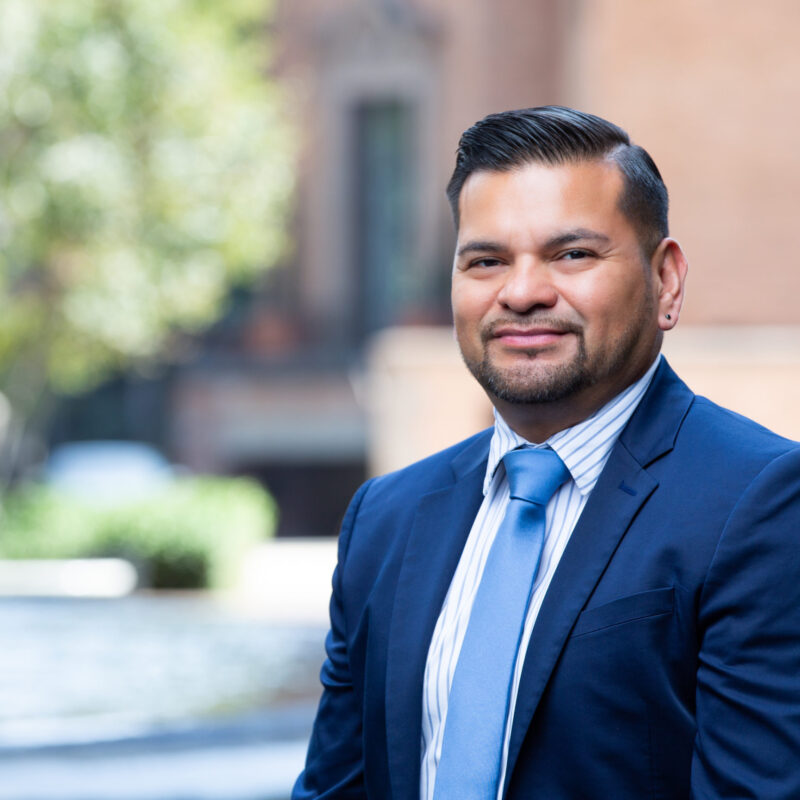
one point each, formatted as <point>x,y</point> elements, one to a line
<point>527,385</point>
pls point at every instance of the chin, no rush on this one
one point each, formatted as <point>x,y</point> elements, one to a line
<point>529,384</point>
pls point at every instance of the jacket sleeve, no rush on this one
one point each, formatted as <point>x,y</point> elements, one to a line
<point>334,764</point>
<point>747,743</point>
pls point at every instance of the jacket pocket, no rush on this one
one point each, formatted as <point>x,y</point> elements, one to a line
<point>625,609</point>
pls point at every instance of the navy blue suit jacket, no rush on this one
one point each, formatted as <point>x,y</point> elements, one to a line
<point>665,661</point>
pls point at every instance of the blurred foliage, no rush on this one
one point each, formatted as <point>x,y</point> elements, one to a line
<point>145,167</point>
<point>191,534</point>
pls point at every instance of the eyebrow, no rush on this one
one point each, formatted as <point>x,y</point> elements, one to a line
<point>568,237</point>
<point>480,247</point>
<point>577,235</point>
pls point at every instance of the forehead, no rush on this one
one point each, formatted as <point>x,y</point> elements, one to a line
<point>542,197</point>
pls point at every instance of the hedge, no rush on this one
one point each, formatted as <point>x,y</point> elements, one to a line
<point>191,534</point>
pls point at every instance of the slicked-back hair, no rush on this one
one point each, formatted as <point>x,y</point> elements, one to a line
<point>556,135</point>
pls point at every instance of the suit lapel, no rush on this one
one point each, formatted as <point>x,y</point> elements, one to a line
<point>622,489</point>
<point>440,529</point>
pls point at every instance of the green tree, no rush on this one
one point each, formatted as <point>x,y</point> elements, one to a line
<point>145,169</point>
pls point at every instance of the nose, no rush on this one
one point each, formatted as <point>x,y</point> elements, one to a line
<point>528,285</point>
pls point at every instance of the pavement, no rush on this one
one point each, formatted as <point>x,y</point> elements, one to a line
<point>252,758</point>
<point>243,772</point>
<point>256,757</point>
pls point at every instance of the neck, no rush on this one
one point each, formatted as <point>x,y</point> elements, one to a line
<point>537,422</point>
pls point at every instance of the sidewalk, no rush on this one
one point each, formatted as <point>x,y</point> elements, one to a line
<point>249,757</point>
<point>252,758</point>
<point>249,772</point>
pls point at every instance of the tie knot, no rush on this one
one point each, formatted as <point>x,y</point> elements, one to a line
<point>534,474</point>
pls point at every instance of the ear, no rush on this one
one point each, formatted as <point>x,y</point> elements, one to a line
<point>669,267</point>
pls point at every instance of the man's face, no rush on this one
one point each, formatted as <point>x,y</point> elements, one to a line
<point>552,297</point>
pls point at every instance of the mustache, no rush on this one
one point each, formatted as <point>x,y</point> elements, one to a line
<point>531,321</point>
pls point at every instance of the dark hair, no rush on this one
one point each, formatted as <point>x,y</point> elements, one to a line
<point>558,135</point>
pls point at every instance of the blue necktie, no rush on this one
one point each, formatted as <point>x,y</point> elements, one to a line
<point>477,708</point>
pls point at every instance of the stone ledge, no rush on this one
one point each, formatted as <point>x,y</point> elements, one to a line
<point>80,577</point>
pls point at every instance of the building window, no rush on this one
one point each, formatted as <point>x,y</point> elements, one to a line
<point>384,205</point>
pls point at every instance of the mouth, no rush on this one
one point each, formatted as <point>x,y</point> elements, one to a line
<point>529,337</point>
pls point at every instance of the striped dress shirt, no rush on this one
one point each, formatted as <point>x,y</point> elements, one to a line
<point>584,449</point>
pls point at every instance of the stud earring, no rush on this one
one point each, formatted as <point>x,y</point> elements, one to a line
<point>667,316</point>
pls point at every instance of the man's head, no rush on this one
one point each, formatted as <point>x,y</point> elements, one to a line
<point>557,135</point>
<point>563,278</point>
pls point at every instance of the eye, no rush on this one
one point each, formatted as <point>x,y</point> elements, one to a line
<point>487,261</point>
<point>574,255</point>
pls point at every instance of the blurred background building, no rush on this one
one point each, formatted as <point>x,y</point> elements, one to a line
<point>341,363</point>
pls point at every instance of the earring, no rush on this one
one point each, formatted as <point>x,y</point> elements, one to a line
<point>668,316</point>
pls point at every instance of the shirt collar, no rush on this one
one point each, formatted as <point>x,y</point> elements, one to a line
<point>584,448</point>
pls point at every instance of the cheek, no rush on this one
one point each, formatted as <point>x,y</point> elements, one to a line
<point>469,304</point>
<point>608,304</point>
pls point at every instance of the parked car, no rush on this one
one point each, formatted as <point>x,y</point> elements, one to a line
<point>107,471</point>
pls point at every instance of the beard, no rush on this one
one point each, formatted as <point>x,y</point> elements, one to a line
<point>534,382</point>
<point>530,383</point>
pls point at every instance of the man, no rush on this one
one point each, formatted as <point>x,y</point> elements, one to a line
<point>656,649</point>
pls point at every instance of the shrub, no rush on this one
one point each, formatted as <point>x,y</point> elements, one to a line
<point>191,534</point>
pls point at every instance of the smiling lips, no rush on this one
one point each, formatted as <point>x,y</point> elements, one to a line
<point>528,338</point>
